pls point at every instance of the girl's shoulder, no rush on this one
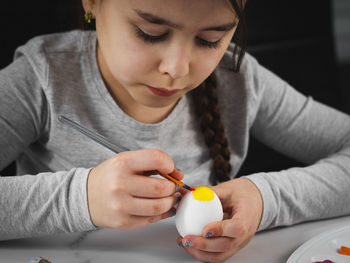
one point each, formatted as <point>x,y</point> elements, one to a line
<point>39,48</point>
<point>246,80</point>
<point>227,62</point>
<point>53,54</point>
<point>243,89</point>
<point>70,41</point>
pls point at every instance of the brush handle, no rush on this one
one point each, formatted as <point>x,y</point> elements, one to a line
<point>92,135</point>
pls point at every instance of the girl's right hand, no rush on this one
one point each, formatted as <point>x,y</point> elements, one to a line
<point>120,196</point>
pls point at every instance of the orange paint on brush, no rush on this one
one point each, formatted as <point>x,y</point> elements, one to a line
<point>344,250</point>
<point>177,182</point>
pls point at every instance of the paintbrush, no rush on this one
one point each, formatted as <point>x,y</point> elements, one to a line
<point>115,148</point>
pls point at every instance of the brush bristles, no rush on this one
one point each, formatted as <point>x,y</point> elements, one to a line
<point>188,188</point>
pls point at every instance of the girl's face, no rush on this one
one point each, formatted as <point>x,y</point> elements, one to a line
<point>153,52</point>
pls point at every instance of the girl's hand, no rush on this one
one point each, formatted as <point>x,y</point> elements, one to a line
<point>242,205</point>
<point>120,196</point>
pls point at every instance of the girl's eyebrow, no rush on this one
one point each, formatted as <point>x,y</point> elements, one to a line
<point>161,21</point>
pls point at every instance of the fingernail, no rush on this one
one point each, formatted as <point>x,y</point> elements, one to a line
<point>189,243</point>
<point>180,244</point>
<point>172,213</point>
<point>208,234</point>
<point>178,187</point>
<point>178,198</point>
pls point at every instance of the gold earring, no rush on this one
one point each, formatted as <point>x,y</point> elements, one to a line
<point>88,17</point>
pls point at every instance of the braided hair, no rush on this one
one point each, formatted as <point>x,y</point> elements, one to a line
<point>205,101</point>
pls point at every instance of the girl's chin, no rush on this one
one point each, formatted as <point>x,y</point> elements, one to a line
<point>159,102</point>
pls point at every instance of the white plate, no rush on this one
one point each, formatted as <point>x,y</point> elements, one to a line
<point>323,246</point>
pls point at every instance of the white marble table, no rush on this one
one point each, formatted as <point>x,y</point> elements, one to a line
<point>156,243</point>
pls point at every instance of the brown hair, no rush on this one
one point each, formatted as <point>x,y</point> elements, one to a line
<point>205,101</point>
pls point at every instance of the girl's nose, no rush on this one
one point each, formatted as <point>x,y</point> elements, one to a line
<point>176,61</point>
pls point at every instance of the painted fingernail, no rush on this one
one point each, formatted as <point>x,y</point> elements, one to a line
<point>178,187</point>
<point>189,243</point>
<point>172,213</point>
<point>180,244</point>
<point>178,198</point>
<point>208,234</point>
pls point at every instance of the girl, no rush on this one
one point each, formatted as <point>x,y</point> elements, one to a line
<point>161,78</point>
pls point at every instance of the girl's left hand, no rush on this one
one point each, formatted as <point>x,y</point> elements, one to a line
<point>243,206</point>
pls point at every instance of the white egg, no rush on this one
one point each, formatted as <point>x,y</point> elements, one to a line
<point>197,209</point>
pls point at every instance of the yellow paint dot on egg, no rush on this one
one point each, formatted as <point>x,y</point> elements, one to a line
<point>203,193</point>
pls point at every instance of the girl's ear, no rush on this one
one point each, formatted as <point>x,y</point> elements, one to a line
<point>89,5</point>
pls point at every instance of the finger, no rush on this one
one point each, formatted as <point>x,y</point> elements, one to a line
<point>216,244</point>
<point>145,160</point>
<point>150,187</point>
<point>233,228</point>
<point>149,173</point>
<point>183,191</point>
<point>177,174</point>
<point>152,207</point>
<point>205,256</point>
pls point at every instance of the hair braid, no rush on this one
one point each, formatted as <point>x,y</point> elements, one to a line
<point>207,110</point>
<point>206,105</point>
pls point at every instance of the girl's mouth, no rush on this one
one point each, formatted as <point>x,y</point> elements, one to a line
<point>162,92</point>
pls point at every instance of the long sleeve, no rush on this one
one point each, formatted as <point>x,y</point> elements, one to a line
<point>312,133</point>
<point>46,203</point>
<point>43,204</point>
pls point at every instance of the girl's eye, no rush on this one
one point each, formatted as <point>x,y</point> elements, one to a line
<point>209,44</point>
<point>154,39</point>
<point>149,38</point>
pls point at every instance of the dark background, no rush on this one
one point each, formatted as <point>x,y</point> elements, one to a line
<point>296,40</point>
